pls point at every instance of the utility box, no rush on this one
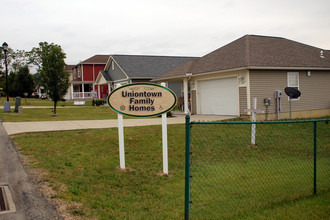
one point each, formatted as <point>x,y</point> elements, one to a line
<point>267,101</point>
<point>20,110</point>
<point>278,94</point>
<point>17,103</point>
<point>7,107</point>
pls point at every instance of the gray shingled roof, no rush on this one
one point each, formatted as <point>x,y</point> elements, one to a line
<point>252,51</point>
<point>106,76</point>
<point>148,66</point>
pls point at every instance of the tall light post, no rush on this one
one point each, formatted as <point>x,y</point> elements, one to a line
<point>7,104</point>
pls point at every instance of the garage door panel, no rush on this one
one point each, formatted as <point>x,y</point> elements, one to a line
<point>218,97</point>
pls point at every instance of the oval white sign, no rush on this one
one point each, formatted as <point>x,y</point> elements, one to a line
<point>142,99</point>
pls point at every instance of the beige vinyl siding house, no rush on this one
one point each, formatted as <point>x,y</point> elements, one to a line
<point>243,100</point>
<point>225,81</point>
<point>315,89</point>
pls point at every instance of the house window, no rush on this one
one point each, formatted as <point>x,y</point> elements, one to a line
<point>76,88</point>
<point>88,87</point>
<point>293,80</point>
<point>79,73</point>
<point>74,73</point>
<point>112,65</point>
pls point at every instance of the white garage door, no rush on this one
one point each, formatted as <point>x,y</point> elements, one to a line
<point>218,97</point>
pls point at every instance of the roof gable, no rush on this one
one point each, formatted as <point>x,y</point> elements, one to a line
<point>102,78</point>
<point>138,66</point>
<point>281,52</point>
<point>178,71</point>
<point>252,51</point>
<point>232,55</point>
<point>261,51</point>
<point>97,59</point>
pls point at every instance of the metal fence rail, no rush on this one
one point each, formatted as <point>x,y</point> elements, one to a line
<point>227,176</point>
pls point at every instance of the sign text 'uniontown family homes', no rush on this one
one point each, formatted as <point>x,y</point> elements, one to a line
<point>142,99</point>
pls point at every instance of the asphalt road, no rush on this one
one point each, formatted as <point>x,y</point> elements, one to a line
<point>28,200</point>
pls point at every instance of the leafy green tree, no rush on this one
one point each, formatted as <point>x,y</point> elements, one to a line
<point>12,84</point>
<point>37,78</point>
<point>19,59</point>
<point>54,78</point>
<point>15,60</point>
<point>2,84</point>
<point>34,56</point>
<point>2,67</point>
<point>25,83</point>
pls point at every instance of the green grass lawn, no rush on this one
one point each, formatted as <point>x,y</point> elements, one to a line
<point>260,183</point>
<point>83,168</point>
<point>65,111</point>
<point>70,113</point>
<point>38,102</point>
<point>231,178</point>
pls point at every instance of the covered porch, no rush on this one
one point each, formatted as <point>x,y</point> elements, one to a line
<point>103,85</point>
<point>186,98</point>
<point>81,90</point>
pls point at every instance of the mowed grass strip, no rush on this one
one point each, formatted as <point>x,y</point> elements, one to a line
<point>83,167</point>
<point>39,102</point>
<point>63,114</point>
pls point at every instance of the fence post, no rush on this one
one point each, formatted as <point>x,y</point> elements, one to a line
<point>315,155</point>
<point>187,174</point>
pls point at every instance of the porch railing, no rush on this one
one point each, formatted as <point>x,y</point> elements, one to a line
<point>82,95</point>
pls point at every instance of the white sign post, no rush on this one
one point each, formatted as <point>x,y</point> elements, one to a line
<point>164,131</point>
<point>142,100</point>
<point>121,141</point>
<point>254,112</point>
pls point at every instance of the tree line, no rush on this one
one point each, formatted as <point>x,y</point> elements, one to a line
<point>48,59</point>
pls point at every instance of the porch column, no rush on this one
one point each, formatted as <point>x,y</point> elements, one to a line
<point>185,95</point>
<point>83,90</point>
<point>72,91</point>
<point>109,88</point>
<point>98,92</point>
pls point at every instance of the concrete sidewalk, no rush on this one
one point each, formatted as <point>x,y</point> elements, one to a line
<point>24,127</point>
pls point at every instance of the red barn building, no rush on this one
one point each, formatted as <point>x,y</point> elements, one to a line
<point>84,75</point>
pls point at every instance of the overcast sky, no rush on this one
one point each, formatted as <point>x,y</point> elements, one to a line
<point>158,27</point>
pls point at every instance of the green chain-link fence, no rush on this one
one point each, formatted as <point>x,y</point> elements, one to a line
<point>227,176</point>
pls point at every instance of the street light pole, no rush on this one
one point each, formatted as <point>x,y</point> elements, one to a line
<point>7,104</point>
